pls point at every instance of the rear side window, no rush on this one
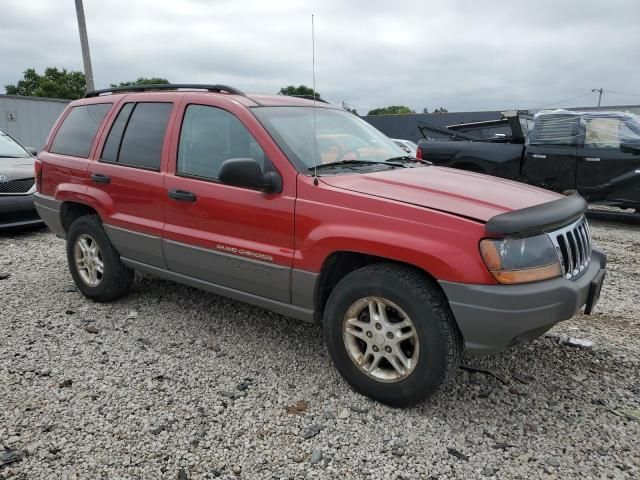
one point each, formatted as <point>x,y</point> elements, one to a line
<point>75,135</point>
<point>137,135</point>
<point>555,129</point>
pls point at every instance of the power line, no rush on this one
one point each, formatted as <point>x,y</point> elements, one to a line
<point>563,101</point>
<point>622,93</point>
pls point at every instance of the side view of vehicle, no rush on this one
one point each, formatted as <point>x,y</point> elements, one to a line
<point>17,184</point>
<point>309,211</point>
<point>594,153</point>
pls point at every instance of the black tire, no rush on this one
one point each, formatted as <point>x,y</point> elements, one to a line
<point>440,340</point>
<point>116,278</point>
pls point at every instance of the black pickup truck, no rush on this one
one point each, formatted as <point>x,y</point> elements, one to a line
<point>595,153</point>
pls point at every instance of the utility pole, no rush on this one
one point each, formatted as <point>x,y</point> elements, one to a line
<point>84,44</point>
<point>600,92</point>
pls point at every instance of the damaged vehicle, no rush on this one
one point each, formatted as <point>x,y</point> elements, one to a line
<point>594,153</point>
<point>307,210</point>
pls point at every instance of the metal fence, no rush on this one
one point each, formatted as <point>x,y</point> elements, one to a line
<point>29,119</point>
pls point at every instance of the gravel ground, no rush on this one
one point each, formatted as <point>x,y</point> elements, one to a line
<point>171,382</point>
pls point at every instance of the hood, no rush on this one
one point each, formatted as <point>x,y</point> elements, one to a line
<point>467,194</point>
<point>16,168</point>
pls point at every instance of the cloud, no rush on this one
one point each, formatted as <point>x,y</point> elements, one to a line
<point>463,54</point>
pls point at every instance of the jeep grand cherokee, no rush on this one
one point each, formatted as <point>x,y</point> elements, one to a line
<point>307,210</point>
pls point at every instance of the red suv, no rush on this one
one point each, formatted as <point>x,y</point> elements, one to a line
<point>307,210</point>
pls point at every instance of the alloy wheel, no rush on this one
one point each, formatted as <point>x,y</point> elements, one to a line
<point>88,260</point>
<point>381,339</point>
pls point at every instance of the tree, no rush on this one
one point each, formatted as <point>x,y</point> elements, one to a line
<point>142,81</point>
<point>351,110</point>
<point>53,84</point>
<point>391,110</point>
<point>441,110</point>
<point>425,110</point>
<point>299,90</point>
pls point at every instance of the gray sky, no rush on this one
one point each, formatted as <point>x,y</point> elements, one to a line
<point>464,55</point>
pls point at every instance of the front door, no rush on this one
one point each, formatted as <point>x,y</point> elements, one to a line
<point>230,236</point>
<point>605,170</point>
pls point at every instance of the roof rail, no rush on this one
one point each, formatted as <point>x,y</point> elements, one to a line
<point>166,86</point>
<point>310,97</point>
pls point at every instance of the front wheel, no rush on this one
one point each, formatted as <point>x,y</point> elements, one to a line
<point>391,335</point>
<point>94,263</point>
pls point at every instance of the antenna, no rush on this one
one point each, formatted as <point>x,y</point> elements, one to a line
<point>313,69</point>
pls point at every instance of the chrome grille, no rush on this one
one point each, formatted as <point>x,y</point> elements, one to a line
<point>16,186</point>
<point>573,244</point>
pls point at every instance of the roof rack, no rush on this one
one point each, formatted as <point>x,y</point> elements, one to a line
<point>166,86</point>
<point>310,97</point>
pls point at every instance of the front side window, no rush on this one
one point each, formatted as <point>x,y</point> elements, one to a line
<point>602,132</point>
<point>75,135</point>
<point>332,136</point>
<point>137,135</point>
<point>208,137</point>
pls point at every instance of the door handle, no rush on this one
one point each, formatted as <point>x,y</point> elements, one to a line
<point>100,178</point>
<point>538,155</point>
<point>182,195</point>
<point>591,159</point>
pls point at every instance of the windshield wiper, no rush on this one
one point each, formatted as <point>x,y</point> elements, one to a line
<point>353,163</point>
<point>407,159</point>
<point>12,156</point>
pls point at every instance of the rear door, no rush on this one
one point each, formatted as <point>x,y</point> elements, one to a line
<point>230,236</point>
<point>601,160</point>
<point>550,157</point>
<point>126,179</point>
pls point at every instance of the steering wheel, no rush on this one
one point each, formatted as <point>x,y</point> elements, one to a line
<point>356,155</point>
<point>328,143</point>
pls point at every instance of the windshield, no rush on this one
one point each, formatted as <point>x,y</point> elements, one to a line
<point>10,148</point>
<point>339,136</point>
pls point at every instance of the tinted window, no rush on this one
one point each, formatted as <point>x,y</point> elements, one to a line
<point>209,136</point>
<point>141,144</point>
<point>112,145</point>
<point>78,130</point>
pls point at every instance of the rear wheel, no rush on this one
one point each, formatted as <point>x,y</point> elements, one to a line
<point>93,262</point>
<point>391,334</point>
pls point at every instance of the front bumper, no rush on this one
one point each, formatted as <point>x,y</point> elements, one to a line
<point>493,317</point>
<point>18,211</point>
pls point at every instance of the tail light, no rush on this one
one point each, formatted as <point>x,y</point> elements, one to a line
<point>419,154</point>
<point>37,166</point>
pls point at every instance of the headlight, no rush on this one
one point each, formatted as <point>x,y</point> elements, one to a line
<point>521,260</point>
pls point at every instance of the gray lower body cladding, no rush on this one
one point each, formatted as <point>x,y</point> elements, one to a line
<point>493,317</point>
<point>490,317</point>
<point>49,210</point>
<point>18,211</point>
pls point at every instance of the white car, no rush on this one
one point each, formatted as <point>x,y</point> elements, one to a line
<point>407,145</point>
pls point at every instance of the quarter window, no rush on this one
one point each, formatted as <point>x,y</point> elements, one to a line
<point>137,135</point>
<point>75,135</point>
<point>209,136</point>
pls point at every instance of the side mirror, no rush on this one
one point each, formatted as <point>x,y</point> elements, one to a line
<point>246,172</point>
<point>630,147</point>
<point>32,151</point>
